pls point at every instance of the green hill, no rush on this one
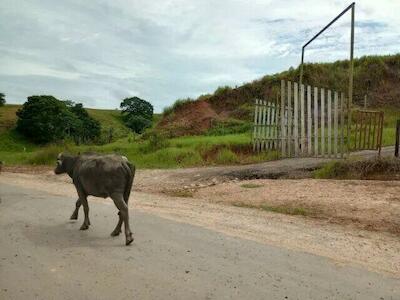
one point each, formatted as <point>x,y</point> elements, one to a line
<point>378,77</point>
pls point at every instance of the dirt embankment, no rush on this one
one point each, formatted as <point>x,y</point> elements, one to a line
<point>191,119</point>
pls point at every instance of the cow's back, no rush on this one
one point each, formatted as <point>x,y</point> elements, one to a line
<point>101,175</point>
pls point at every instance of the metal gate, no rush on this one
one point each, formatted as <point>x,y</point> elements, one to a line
<point>366,131</point>
<point>312,121</point>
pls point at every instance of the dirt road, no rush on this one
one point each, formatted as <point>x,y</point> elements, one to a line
<point>45,256</point>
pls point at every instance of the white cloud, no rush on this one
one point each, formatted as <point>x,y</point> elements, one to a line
<point>99,52</point>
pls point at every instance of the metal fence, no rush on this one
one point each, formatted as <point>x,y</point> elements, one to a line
<point>304,121</point>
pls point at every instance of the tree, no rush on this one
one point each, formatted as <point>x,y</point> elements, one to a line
<point>137,123</point>
<point>2,99</point>
<point>88,128</point>
<point>137,113</point>
<point>45,119</point>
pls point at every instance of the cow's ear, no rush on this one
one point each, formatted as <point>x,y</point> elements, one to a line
<point>59,156</point>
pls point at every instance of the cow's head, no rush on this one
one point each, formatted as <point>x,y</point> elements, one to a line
<point>60,167</point>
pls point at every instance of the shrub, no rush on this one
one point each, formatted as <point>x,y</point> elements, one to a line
<point>137,123</point>
<point>226,156</point>
<point>45,119</point>
<point>2,99</point>
<point>155,141</point>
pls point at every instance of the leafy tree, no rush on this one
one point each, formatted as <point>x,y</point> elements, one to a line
<point>137,123</point>
<point>2,99</point>
<point>137,113</point>
<point>45,119</point>
<point>87,129</point>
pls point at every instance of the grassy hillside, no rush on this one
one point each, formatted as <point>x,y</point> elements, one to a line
<point>377,77</point>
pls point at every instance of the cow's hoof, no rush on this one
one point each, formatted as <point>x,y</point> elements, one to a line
<point>115,233</point>
<point>74,217</point>
<point>84,227</point>
<point>129,240</point>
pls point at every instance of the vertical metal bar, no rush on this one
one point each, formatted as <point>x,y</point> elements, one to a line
<point>255,125</point>
<point>323,122</point>
<point>380,133</point>
<point>350,101</point>
<point>302,65</point>
<point>303,121</point>
<point>315,121</point>
<point>309,121</point>
<point>329,123</point>
<point>335,124</point>
<point>374,146</point>
<point>397,145</point>
<point>260,126</point>
<point>355,130</point>
<point>360,130</point>
<point>264,126</point>
<point>365,130</point>
<point>342,125</point>
<point>283,133</point>
<point>271,126</point>
<point>290,120</point>
<point>296,119</point>
<point>369,130</point>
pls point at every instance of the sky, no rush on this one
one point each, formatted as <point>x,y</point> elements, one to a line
<point>100,52</point>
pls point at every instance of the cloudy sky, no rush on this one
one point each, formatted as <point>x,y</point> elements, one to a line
<point>98,52</point>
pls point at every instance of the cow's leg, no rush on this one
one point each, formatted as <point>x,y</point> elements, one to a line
<point>117,229</point>
<point>86,221</point>
<point>123,209</point>
<point>74,215</point>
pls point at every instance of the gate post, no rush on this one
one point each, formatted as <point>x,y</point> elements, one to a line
<point>396,149</point>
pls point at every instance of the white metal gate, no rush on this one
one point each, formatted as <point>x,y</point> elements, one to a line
<point>304,121</point>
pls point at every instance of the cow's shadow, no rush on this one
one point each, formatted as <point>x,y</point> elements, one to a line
<point>67,235</point>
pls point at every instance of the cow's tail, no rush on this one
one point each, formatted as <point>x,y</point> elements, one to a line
<point>131,171</point>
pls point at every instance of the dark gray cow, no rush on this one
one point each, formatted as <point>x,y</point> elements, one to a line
<point>100,176</point>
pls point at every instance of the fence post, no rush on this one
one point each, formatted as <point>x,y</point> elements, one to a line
<point>397,150</point>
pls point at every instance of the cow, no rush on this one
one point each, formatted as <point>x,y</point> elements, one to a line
<point>100,176</point>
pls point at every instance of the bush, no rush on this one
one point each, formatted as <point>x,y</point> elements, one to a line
<point>137,123</point>
<point>155,141</point>
<point>2,99</point>
<point>48,155</point>
<point>230,126</point>
<point>381,168</point>
<point>226,156</point>
<point>88,129</point>
<point>45,119</point>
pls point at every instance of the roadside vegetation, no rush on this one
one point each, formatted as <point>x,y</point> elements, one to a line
<point>214,129</point>
<point>378,168</point>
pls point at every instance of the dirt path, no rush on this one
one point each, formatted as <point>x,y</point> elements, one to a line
<point>210,207</point>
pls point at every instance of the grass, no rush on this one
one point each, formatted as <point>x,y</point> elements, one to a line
<point>251,185</point>
<point>172,153</point>
<point>151,151</point>
<point>179,193</point>
<point>281,209</point>
<point>378,168</point>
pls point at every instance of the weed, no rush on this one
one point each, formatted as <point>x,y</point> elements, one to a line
<point>287,210</point>
<point>251,185</point>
